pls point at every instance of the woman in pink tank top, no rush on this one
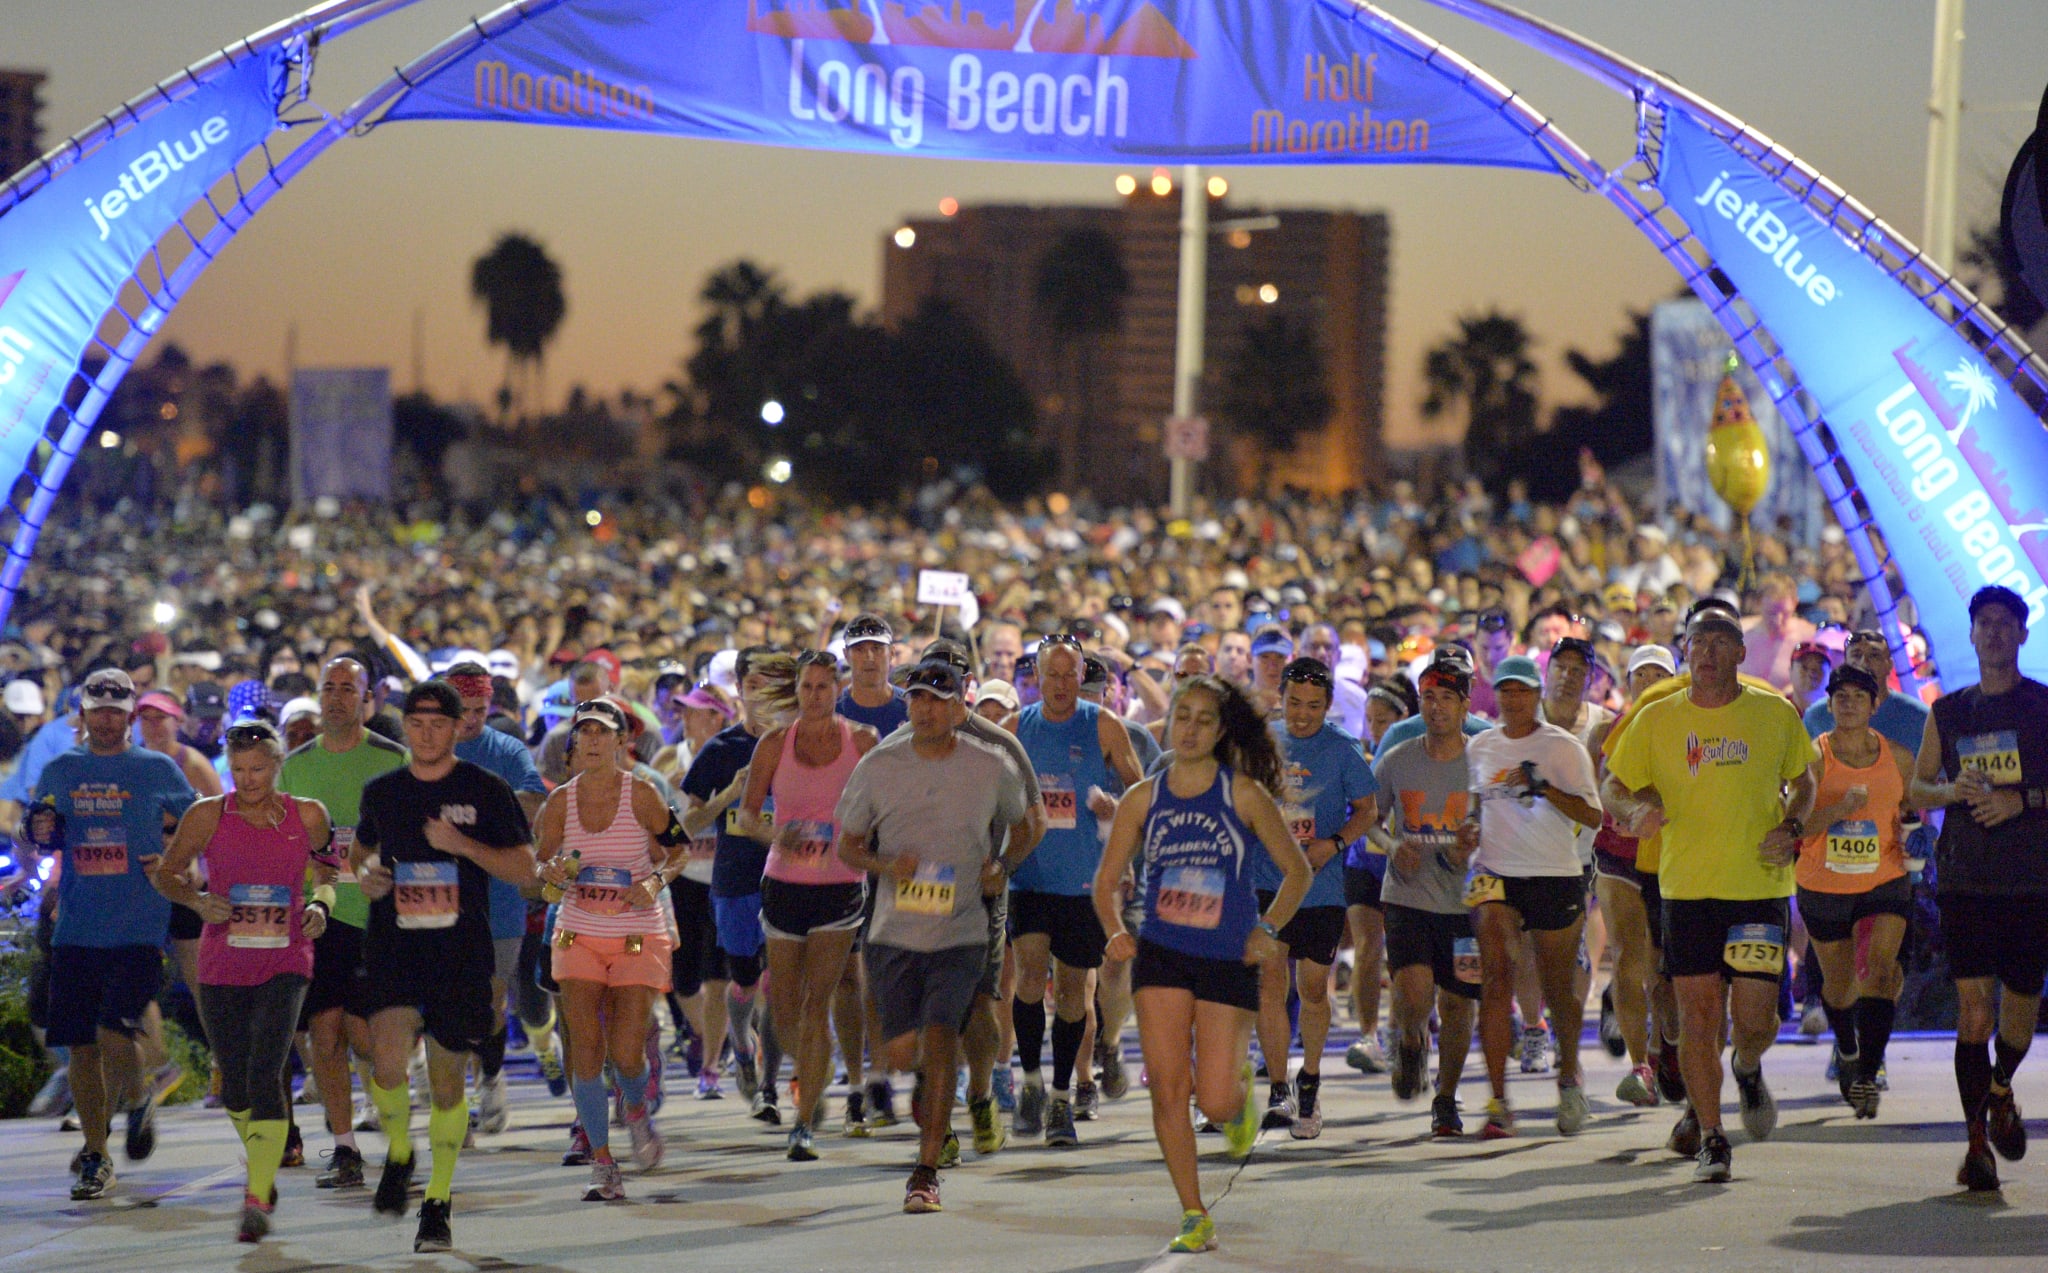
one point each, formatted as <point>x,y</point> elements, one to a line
<point>597,844</point>
<point>256,951</point>
<point>811,902</point>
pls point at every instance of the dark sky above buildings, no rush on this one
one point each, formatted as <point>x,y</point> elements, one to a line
<point>386,225</point>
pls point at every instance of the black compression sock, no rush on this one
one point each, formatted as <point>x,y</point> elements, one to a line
<point>1842,1021</point>
<point>1973,1079</point>
<point>1874,1026</point>
<point>2008,1062</point>
<point>1029,1019</point>
<point>1066,1047</point>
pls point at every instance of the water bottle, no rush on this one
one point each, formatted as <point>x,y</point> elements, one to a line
<point>552,893</point>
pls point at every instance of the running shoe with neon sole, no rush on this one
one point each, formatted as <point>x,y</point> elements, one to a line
<point>606,1183</point>
<point>1500,1120</point>
<point>881,1104</point>
<point>989,1134</point>
<point>855,1124</point>
<point>949,1149</point>
<point>1759,1107</point>
<point>1242,1132</point>
<point>921,1195</point>
<point>1197,1234</point>
<point>551,1070</point>
<point>1638,1087</point>
<point>2003,1125</point>
<point>1571,1109</point>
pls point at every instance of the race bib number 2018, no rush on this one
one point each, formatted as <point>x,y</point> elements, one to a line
<point>929,892</point>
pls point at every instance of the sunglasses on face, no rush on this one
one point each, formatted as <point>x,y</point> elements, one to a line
<point>114,693</point>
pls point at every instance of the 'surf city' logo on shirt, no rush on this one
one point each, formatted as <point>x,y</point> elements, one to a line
<point>461,815</point>
<point>1719,752</point>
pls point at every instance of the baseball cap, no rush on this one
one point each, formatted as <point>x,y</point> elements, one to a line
<point>608,661</point>
<point>301,706</point>
<point>1273,640</point>
<point>867,628</point>
<point>1619,596</point>
<point>1456,677</point>
<point>1168,606</point>
<point>604,712</point>
<point>25,698</point>
<point>1519,668</point>
<point>1805,648</point>
<point>1850,674</point>
<point>108,687</point>
<point>934,676</point>
<point>205,700</point>
<point>430,698</point>
<point>1001,692</point>
<point>503,663</point>
<point>1652,656</point>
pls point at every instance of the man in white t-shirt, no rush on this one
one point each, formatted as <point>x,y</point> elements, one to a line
<point>1533,787</point>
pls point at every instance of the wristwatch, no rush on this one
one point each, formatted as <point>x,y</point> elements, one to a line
<point>1795,826</point>
<point>1266,926</point>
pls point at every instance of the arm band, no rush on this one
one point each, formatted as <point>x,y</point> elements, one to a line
<point>324,895</point>
<point>672,835</point>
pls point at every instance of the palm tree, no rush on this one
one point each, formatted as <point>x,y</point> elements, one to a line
<point>1275,387</point>
<point>1486,367</point>
<point>520,288</point>
<point>1081,288</point>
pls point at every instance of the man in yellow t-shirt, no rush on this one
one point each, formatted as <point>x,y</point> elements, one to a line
<point>1722,769</point>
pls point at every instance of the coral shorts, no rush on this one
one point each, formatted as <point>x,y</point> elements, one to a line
<point>608,962</point>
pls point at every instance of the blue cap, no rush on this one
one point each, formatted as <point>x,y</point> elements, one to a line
<point>1375,648</point>
<point>1518,667</point>
<point>1272,643</point>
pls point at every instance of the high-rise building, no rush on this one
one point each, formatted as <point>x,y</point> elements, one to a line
<point>1104,398</point>
<point>21,129</point>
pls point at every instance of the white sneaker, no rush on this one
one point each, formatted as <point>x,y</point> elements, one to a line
<point>493,1112</point>
<point>1369,1054</point>
<point>647,1143</point>
<point>1535,1050</point>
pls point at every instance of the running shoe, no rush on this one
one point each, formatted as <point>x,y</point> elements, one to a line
<point>434,1234</point>
<point>1685,1135</point>
<point>647,1143</point>
<point>1003,1084</point>
<point>989,1135</point>
<point>1369,1053</point>
<point>765,1108</point>
<point>294,1147</point>
<point>1813,1022</point>
<point>1715,1161</point>
<point>1638,1087</point>
<point>1978,1174</point>
<point>492,1109</point>
<point>1500,1120</point>
<point>54,1097</point>
<point>1759,1107</point>
<point>95,1177</point>
<point>693,1056</point>
<point>1197,1234</point>
<point>606,1183</point>
<point>1059,1124</point>
<point>655,1092</point>
<point>1670,1078</point>
<point>578,1153</point>
<point>1445,1123</point>
<point>1864,1098</point>
<point>856,1125</point>
<point>1242,1132</point>
<point>1308,1118</point>
<point>881,1104</point>
<point>1610,1025</point>
<point>1883,1080</point>
<point>708,1088</point>
<point>309,1091</point>
<point>1571,1109</point>
<point>2002,1123</point>
<point>1030,1117</point>
<point>802,1148</point>
<point>551,1070</point>
<point>1279,1108</point>
<point>1087,1102</point>
<point>255,1219</point>
<point>746,1076</point>
<point>344,1169</point>
<point>1109,1073</point>
<point>1535,1050</point>
<point>1411,1064</point>
<point>949,1149</point>
<point>921,1195</point>
<point>141,1140</point>
<point>392,1187</point>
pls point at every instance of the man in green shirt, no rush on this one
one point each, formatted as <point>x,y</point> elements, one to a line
<point>332,769</point>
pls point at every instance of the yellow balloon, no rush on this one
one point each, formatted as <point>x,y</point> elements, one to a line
<point>1738,459</point>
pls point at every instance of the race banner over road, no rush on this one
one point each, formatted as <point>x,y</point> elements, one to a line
<point>66,252</point>
<point>1123,81</point>
<point>1953,464</point>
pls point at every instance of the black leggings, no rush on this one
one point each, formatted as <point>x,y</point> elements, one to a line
<point>250,1029</point>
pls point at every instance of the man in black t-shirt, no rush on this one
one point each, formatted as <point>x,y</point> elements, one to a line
<point>429,838</point>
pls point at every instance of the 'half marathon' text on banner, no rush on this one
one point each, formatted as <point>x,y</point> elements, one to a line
<point>67,249</point>
<point>1953,464</point>
<point>1126,81</point>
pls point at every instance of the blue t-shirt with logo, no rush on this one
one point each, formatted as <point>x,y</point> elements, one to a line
<point>500,753</point>
<point>113,809</point>
<point>1324,773</point>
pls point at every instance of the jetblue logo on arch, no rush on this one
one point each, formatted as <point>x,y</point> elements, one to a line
<point>1768,234</point>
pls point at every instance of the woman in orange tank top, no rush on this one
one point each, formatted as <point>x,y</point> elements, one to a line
<point>1852,871</point>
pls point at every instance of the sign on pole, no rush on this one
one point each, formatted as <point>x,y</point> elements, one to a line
<point>1187,438</point>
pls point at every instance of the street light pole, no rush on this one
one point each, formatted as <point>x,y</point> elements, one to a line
<point>1944,135</point>
<point>1191,311</point>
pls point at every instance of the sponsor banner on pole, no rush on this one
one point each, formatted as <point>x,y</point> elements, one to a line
<point>341,434</point>
<point>1952,462</point>
<point>1122,81</point>
<point>69,247</point>
<point>1688,356</point>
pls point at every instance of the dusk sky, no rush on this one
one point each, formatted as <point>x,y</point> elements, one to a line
<point>388,224</point>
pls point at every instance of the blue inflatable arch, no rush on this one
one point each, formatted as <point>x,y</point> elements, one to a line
<point>1799,213</point>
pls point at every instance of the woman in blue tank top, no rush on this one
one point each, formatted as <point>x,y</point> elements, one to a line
<point>1196,969</point>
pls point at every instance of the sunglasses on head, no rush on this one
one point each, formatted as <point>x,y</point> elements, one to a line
<point>251,732</point>
<point>943,679</point>
<point>817,658</point>
<point>1493,621</point>
<point>1067,639</point>
<point>1309,674</point>
<point>1579,645</point>
<point>868,628</point>
<point>1869,636</point>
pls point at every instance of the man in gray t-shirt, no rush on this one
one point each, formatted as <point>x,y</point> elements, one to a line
<point>1425,798</point>
<point>928,819</point>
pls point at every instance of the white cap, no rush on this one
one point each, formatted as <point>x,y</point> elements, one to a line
<point>300,706</point>
<point>502,662</point>
<point>997,691</point>
<point>24,698</point>
<point>723,671</point>
<point>1651,656</point>
<point>1168,606</point>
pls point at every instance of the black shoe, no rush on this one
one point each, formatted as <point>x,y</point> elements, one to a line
<point>1979,1172</point>
<point>1715,1161</point>
<point>1610,1025</point>
<point>1410,1068</point>
<point>344,1171</point>
<point>1444,1122</point>
<point>1670,1079</point>
<point>2002,1123</point>
<point>1279,1108</point>
<point>392,1187</point>
<point>1685,1137</point>
<point>294,1148</point>
<point>141,1141</point>
<point>434,1234</point>
<point>1846,1070</point>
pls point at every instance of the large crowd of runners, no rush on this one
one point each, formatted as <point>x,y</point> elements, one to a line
<point>825,830</point>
